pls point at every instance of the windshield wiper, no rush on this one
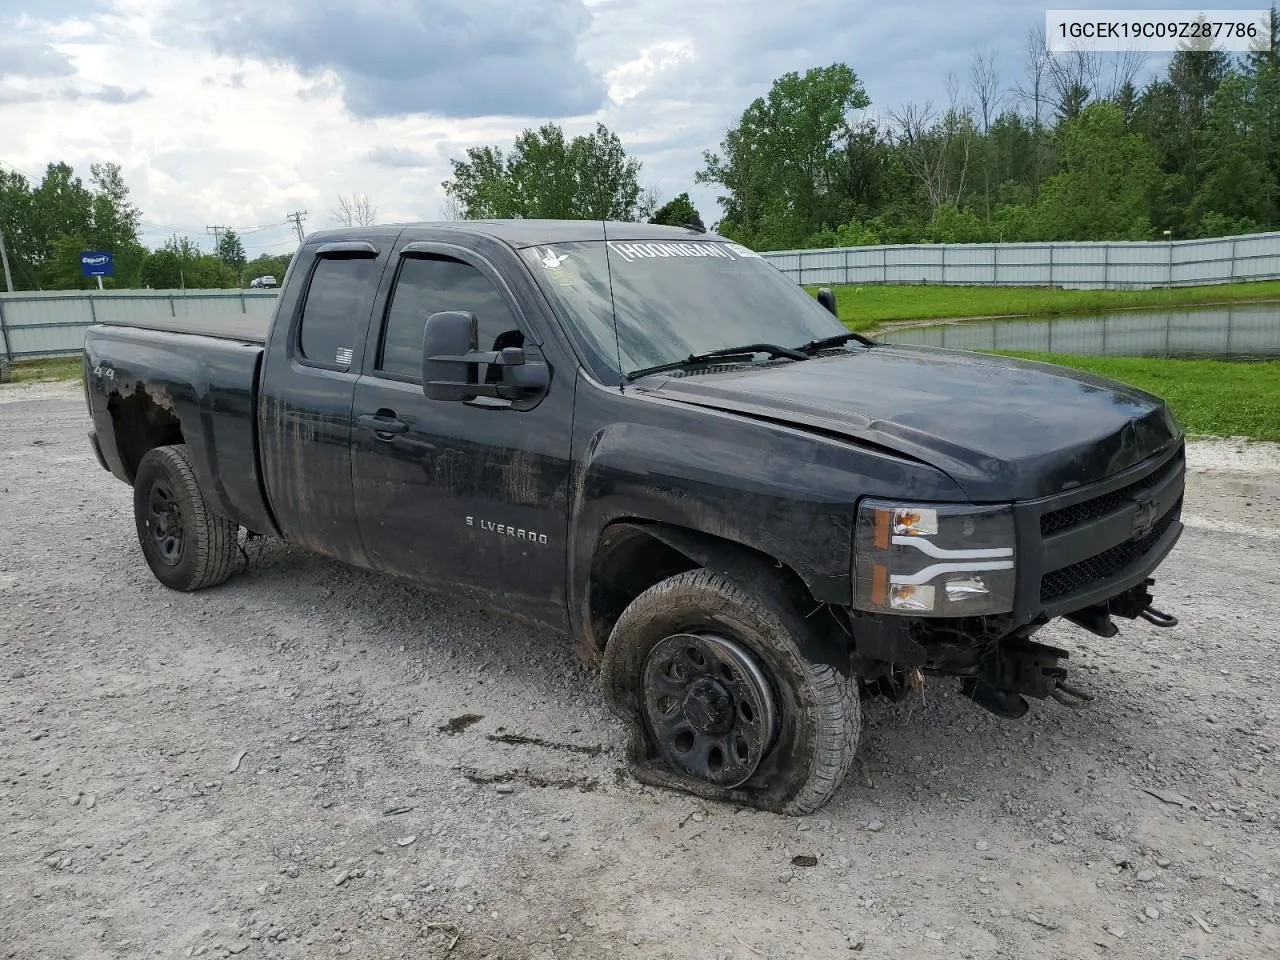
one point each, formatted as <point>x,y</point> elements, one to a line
<point>725,353</point>
<point>836,341</point>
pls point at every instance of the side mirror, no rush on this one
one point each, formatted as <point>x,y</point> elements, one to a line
<point>451,364</point>
<point>828,300</point>
<point>449,336</point>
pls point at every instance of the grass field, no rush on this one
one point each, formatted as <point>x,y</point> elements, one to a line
<point>866,307</point>
<point>1210,397</point>
<point>53,368</point>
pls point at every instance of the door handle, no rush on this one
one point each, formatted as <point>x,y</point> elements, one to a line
<point>384,423</point>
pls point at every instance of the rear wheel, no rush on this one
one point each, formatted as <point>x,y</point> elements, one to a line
<point>186,544</point>
<point>722,701</point>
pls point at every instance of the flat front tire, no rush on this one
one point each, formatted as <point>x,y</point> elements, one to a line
<point>721,700</point>
<point>186,544</point>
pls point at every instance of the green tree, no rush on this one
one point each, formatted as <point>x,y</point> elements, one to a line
<point>115,218</point>
<point>950,224</point>
<point>180,264</point>
<point>1173,114</point>
<point>47,226</point>
<point>1237,181</point>
<point>16,223</point>
<point>61,206</point>
<point>231,251</point>
<point>780,164</point>
<point>546,175</point>
<point>679,212</point>
<point>1266,51</point>
<point>1103,191</point>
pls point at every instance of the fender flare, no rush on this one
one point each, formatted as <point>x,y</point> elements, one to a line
<point>819,634</point>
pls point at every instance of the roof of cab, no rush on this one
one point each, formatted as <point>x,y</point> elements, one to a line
<point>525,233</point>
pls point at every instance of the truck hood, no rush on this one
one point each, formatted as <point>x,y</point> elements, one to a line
<point>1002,429</point>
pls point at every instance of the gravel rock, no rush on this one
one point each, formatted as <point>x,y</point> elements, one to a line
<point>130,686</point>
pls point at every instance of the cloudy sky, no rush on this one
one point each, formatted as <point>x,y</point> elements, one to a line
<point>234,113</point>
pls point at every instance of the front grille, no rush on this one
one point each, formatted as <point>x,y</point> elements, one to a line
<point>1108,503</point>
<point>1107,564</point>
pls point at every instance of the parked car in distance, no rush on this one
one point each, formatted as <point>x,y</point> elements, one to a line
<point>267,281</point>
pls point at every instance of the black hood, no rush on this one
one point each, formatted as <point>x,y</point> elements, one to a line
<point>1001,428</point>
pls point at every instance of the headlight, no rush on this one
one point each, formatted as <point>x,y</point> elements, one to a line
<point>936,560</point>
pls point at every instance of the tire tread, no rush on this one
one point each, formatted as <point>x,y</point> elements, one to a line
<point>214,539</point>
<point>831,697</point>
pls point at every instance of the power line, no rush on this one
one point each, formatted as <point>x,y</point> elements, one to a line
<point>29,176</point>
<point>218,233</point>
<point>297,217</point>
<point>272,246</point>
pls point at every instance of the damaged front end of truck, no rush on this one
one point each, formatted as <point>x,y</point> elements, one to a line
<point>960,590</point>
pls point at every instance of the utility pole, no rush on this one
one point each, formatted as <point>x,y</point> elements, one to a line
<point>217,236</point>
<point>4,258</point>
<point>297,217</point>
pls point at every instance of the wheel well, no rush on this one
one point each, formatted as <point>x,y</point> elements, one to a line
<point>631,557</point>
<point>141,424</point>
<point>628,561</point>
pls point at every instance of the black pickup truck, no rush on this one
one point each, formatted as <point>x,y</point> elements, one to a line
<point>651,439</point>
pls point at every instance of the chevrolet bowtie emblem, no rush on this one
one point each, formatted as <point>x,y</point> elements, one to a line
<point>1145,518</point>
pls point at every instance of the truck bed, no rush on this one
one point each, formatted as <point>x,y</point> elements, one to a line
<point>200,388</point>
<point>245,328</point>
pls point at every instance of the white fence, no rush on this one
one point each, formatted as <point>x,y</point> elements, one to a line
<point>49,323</point>
<point>1081,265</point>
<point>1231,330</point>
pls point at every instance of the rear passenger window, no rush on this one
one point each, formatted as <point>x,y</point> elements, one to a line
<point>334,315</point>
<point>428,285</point>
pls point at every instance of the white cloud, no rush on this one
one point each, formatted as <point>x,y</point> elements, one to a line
<point>243,136</point>
<point>628,80</point>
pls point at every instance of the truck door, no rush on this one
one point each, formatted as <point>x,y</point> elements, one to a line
<point>313,362</point>
<point>468,494</point>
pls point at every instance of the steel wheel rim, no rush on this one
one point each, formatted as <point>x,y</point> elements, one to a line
<point>164,522</point>
<point>710,707</point>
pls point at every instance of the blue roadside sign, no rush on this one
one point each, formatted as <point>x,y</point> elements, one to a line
<point>96,263</point>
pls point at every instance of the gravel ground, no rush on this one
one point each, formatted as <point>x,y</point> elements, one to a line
<point>312,761</point>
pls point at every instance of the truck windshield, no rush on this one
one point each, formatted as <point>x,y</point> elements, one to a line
<point>673,299</point>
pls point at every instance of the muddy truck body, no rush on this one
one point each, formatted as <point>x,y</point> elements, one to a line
<point>650,439</point>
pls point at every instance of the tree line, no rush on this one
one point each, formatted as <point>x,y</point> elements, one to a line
<point>47,224</point>
<point>1071,150</point>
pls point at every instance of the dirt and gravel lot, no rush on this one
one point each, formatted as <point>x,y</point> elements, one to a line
<point>312,761</point>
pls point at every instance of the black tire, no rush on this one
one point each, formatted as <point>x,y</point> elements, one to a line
<point>187,546</point>
<point>818,706</point>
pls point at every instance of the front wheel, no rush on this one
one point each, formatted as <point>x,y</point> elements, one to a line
<point>186,544</point>
<point>721,700</point>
